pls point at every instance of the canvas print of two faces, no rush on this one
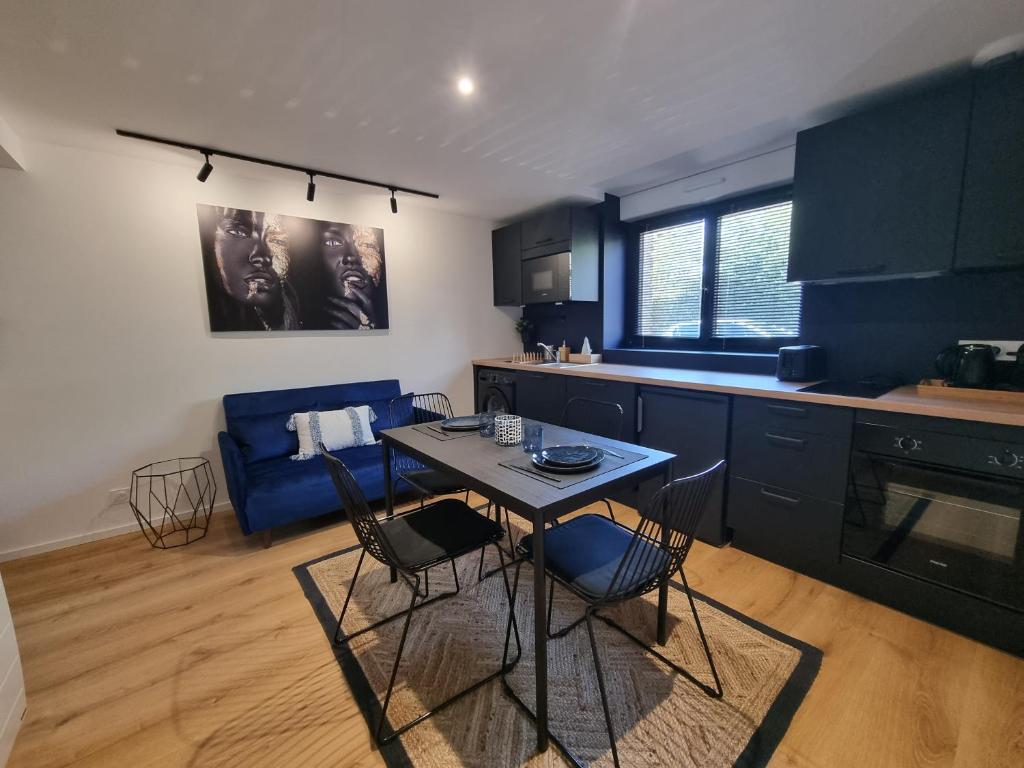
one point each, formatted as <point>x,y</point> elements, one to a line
<point>267,272</point>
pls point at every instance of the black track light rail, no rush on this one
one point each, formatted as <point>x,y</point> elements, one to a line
<point>210,151</point>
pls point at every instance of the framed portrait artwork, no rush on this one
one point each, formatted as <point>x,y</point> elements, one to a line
<point>269,272</point>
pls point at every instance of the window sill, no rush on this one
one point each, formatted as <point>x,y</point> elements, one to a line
<point>695,359</point>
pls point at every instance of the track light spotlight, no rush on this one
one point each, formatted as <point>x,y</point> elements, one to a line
<point>310,189</point>
<point>206,170</point>
<point>394,203</point>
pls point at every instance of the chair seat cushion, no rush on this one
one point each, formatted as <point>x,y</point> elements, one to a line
<point>432,481</point>
<point>585,553</point>
<point>442,530</point>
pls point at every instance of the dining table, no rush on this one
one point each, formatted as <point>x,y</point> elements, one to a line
<point>500,474</point>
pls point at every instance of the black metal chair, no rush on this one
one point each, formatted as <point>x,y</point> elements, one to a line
<point>603,563</point>
<point>598,417</point>
<point>424,409</point>
<point>411,543</point>
<point>421,409</point>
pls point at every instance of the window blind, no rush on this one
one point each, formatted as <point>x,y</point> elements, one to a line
<point>752,297</point>
<point>671,281</point>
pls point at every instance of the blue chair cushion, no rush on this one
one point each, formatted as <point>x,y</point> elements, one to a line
<point>265,436</point>
<point>585,552</point>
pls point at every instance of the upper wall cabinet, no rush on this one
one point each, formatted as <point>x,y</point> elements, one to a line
<point>545,231</point>
<point>992,212</point>
<point>569,236</point>
<point>506,261</point>
<point>877,193</point>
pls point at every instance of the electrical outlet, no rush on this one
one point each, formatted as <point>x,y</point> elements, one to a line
<point>1007,349</point>
<point>117,496</point>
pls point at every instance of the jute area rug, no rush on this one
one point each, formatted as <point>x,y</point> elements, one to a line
<point>661,719</point>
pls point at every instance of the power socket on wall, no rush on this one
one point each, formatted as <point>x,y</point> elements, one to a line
<point>117,496</point>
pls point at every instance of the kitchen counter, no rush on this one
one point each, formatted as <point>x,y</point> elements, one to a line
<point>901,400</point>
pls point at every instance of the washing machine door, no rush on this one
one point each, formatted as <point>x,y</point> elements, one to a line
<point>493,399</point>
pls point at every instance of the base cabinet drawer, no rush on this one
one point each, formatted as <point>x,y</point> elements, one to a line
<point>791,529</point>
<point>791,415</point>
<point>813,464</point>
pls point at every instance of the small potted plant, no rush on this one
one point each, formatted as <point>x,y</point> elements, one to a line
<point>525,328</point>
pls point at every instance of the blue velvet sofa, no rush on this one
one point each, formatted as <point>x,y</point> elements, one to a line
<point>266,487</point>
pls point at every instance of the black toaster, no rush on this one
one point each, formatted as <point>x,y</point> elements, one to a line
<point>803,362</point>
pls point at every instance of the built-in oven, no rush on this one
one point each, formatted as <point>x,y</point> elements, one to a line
<point>941,501</point>
<point>547,278</point>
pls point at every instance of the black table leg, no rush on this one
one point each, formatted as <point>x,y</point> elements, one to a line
<point>663,589</point>
<point>389,492</point>
<point>540,632</point>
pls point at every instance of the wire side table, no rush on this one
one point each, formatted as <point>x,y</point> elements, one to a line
<point>173,500</point>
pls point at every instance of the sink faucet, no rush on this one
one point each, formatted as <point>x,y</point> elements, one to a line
<point>549,352</point>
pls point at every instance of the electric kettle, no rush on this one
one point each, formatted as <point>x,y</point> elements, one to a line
<point>968,365</point>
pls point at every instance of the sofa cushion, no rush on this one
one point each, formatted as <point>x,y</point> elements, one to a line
<point>265,436</point>
<point>337,430</point>
<point>308,398</point>
<point>281,490</point>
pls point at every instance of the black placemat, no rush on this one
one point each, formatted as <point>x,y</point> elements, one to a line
<point>434,430</point>
<point>524,465</point>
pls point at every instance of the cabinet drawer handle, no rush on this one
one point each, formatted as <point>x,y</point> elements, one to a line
<point>788,410</point>
<point>786,442</point>
<point>596,383</point>
<point>789,501</point>
<point>874,269</point>
<point>545,240</point>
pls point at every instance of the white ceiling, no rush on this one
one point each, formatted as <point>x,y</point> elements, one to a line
<point>574,98</point>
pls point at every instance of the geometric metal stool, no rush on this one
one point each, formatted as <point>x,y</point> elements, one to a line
<point>157,495</point>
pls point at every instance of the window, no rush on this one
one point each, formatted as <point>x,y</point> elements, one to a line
<point>716,278</point>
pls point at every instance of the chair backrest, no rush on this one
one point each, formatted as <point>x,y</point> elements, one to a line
<point>664,535</point>
<point>367,528</point>
<point>416,409</point>
<point>598,417</point>
<point>420,409</point>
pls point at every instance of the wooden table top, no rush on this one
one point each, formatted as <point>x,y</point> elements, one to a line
<point>475,462</point>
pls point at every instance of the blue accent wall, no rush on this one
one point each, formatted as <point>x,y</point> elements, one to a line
<point>897,327</point>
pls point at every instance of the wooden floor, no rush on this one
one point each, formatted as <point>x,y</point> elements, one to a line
<point>210,655</point>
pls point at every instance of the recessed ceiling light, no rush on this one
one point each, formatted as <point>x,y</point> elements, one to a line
<point>465,85</point>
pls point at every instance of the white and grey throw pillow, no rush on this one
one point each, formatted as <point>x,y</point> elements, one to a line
<point>345,428</point>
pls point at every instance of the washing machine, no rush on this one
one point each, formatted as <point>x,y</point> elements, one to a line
<point>495,391</point>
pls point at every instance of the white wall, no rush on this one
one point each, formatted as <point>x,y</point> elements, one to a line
<point>106,358</point>
<point>12,683</point>
<point>768,169</point>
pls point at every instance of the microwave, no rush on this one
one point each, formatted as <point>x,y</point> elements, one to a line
<point>547,278</point>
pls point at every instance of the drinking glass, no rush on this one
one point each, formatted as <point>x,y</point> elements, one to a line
<point>533,437</point>
<point>487,423</point>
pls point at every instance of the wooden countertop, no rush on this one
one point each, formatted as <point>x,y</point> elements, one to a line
<point>901,400</point>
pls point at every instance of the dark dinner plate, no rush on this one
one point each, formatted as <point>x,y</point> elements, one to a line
<point>571,455</point>
<point>463,423</point>
<point>538,461</point>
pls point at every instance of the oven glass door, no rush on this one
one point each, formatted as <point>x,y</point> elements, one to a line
<point>954,528</point>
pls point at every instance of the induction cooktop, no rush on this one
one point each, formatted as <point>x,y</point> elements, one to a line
<point>866,389</point>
